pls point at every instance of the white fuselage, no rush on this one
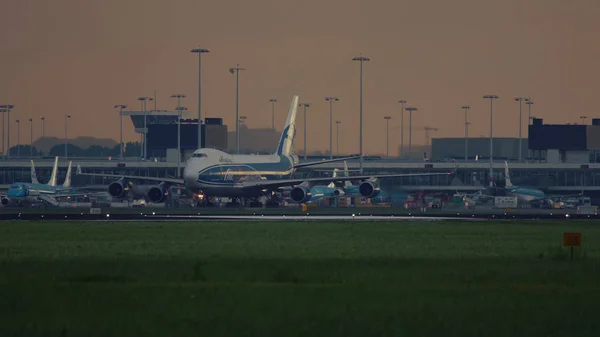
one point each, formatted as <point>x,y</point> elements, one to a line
<point>216,173</point>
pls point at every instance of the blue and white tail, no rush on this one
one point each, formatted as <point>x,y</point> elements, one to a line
<point>286,142</point>
<point>347,183</point>
<point>52,181</point>
<point>67,182</point>
<point>507,175</point>
<point>34,179</point>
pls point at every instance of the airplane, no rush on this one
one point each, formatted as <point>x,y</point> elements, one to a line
<point>354,190</point>
<point>30,193</point>
<point>318,191</point>
<point>215,173</point>
<point>523,194</point>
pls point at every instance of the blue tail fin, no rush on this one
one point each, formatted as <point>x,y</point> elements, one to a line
<point>289,131</point>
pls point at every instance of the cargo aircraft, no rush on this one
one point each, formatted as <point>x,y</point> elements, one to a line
<point>214,173</point>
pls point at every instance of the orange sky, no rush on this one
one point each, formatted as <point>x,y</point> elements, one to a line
<point>73,57</point>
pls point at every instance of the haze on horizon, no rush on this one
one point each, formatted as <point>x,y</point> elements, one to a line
<point>81,58</point>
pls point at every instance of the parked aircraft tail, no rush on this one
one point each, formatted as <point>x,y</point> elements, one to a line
<point>34,179</point>
<point>335,174</point>
<point>67,182</point>
<point>52,181</point>
<point>507,175</point>
<point>347,183</point>
<point>285,146</point>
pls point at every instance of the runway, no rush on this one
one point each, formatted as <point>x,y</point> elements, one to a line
<point>163,215</point>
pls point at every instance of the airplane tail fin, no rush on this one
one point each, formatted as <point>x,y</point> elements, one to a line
<point>289,130</point>
<point>507,175</point>
<point>52,181</point>
<point>335,174</point>
<point>67,182</point>
<point>347,183</point>
<point>34,179</point>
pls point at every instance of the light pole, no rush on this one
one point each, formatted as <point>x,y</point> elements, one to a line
<point>410,111</point>
<point>305,105</point>
<point>43,119</point>
<point>583,118</point>
<point>337,135</point>
<point>236,71</point>
<point>66,134</point>
<point>3,126</point>
<point>466,108</point>
<point>402,102</point>
<point>331,99</point>
<point>3,110</point>
<point>143,101</point>
<point>273,101</point>
<point>179,109</point>
<point>120,107</point>
<point>242,122</point>
<point>529,122</point>
<point>529,104</point>
<point>520,100</point>
<point>30,137</point>
<point>491,98</point>
<point>199,51</point>
<point>6,108</point>
<point>387,135</point>
<point>18,139</point>
<point>361,59</point>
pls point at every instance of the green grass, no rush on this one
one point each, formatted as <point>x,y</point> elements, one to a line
<point>297,279</point>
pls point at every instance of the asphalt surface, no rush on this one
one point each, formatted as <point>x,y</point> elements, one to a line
<point>206,215</point>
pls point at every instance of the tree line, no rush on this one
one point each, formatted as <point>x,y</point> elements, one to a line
<point>130,149</point>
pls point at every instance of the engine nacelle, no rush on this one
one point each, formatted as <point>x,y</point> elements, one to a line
<point>369,189</point>
<point>5,201</point>
<point>118,189</point>
<point>338,192</point>
<point>300,194</point>
<point>157,194</point>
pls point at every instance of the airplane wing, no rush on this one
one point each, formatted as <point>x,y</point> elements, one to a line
<point>275,184</point>
<point>118,176</point>
<point>323,162</point>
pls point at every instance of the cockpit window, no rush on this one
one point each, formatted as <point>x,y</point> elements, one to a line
<point>199,155</point>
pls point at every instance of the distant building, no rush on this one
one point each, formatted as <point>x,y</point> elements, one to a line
<point>454,148</point>
<point>162,133</point>
<point>570,143</point>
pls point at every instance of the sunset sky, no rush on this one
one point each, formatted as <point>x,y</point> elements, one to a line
<point>82,57</point>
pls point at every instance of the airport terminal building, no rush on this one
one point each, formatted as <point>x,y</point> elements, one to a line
<point>558,158</point>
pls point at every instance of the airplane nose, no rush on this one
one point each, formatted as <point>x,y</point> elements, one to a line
<point>188,175</point>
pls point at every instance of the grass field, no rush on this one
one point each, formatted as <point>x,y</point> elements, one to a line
<point>298,279</point>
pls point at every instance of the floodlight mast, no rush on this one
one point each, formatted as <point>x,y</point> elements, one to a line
<point>199,51</point>
<point>331,99</point>
<point>491,98</point>
<point>466,108</point>
<point>361,59</point>
<point>120,107</point>
<point>179,110</point>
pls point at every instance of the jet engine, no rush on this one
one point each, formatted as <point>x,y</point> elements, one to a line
<point>157,193</point>
<point>300,194</point>
<point>338,192</point>
<point>5,201</point>
<point>118,189</point>
<point>369,189</point>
